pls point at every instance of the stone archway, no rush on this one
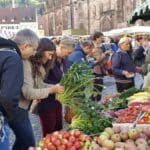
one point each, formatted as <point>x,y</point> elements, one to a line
<point>106,23</point>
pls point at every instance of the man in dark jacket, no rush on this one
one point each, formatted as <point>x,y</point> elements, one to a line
<point>11,80</point>
<point>140,53</point>
<point>27,42</point>
<point>81,53</point>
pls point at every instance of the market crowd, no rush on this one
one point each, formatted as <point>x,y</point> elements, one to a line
<point>31,69</point>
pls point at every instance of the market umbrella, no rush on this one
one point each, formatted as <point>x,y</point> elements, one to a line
<point>141,12</point>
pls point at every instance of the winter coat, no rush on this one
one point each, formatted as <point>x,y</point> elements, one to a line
<point>11,78</point>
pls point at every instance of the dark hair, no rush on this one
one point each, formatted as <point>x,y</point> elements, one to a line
<point>45,44</point>
<point>96,35</point>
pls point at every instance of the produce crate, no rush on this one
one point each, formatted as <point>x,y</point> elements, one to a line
<point>125,126</point>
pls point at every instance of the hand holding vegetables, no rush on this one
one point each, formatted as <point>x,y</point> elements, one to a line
<point>56,89</point>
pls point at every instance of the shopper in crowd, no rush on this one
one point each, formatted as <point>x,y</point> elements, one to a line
<point>99,71</point>
<point>34,89</point>
<point>82,53</point>
<point>65,48</point>
<point>123,65</point>
<point>98,38</point>
<point>27,42</point>
<point>11,80</point>
<point>48,109</point>
<point>141,52</point>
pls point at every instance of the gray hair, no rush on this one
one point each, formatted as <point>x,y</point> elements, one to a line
<point>26,36</point>
<point>68,41</point>
<point>87,43</point>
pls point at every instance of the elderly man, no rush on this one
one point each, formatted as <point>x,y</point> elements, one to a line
<point>65,48</point>
<point>123,66</point>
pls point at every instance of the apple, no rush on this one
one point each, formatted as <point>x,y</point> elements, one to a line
<point>119,144</point>
<point>77,133</point>
<point>101,139</point>
<point>141,147</point>
<point>139,129</point>
<point>140,141</point>
<point>64,141</point>
<point>104,148</point>
<point>57,142</point>
<point>37,148</point>
<point>124,135</point>
<point>109,130</point>
<point>61,147</point>
<point>51,147</point>
<point>119,148</point>
<point>77,144</point>
<point>133,134</point>
<point>143,136</point>
<point>106,134</point>
<point>72,139</point>
<point>116,129</point>
<point>66,135</point>
<point>116,138</point>
<point>53,138</point>
<point>69,144</point>
<point>130,146</point>
<point>129,141</point>
<point>95,139</point>
<point>109,144</point>
<point>56,133</point>
<point>41,143</point>
<point>146,131</point>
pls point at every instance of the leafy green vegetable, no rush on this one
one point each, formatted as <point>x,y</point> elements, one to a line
<point>78,83</point>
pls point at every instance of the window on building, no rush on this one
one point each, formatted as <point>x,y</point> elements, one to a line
<point>30,18</point>
<point>3,20</point>
<point>23,19</point>
<point>12,20</point>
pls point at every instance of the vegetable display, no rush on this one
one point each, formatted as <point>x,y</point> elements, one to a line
<point>78,83</point>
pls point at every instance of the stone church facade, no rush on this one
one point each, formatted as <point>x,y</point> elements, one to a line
<point>87,15</point>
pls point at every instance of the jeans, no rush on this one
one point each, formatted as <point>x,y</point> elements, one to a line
<point>22,129</point>
<point>4,143</point>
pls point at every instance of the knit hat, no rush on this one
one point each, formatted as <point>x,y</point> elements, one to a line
<point>123,40</point>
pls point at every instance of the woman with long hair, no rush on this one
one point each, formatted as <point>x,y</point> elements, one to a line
<point>49,109</point>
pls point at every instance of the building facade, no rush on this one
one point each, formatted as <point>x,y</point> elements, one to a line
<point>14,19</point>
<point>88,15</point>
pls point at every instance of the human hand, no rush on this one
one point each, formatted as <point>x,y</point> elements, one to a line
<point>56,89</point>
<point>128,74</point>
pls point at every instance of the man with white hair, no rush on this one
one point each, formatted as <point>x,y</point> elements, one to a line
<point>123,66</point>
<point>27,42</point>
<point>11,81</point>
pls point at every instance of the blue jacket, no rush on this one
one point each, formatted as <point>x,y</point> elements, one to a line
<point>77,57</point>
<point>11,78</point>
<point>122,61</point>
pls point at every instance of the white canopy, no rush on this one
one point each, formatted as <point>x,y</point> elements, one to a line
<point>128,30</point>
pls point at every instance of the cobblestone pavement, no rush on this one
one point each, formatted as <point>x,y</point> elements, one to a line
<point>109,89</point>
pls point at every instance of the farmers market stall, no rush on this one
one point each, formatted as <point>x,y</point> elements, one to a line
<point>106,126</point>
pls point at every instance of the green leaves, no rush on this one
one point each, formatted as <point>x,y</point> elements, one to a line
<point>79,89</point>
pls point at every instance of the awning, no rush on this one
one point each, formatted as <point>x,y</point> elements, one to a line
<point>141,12</point>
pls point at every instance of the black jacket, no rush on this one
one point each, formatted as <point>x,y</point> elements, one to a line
<point>11,77</point>
<point>139,56</point>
